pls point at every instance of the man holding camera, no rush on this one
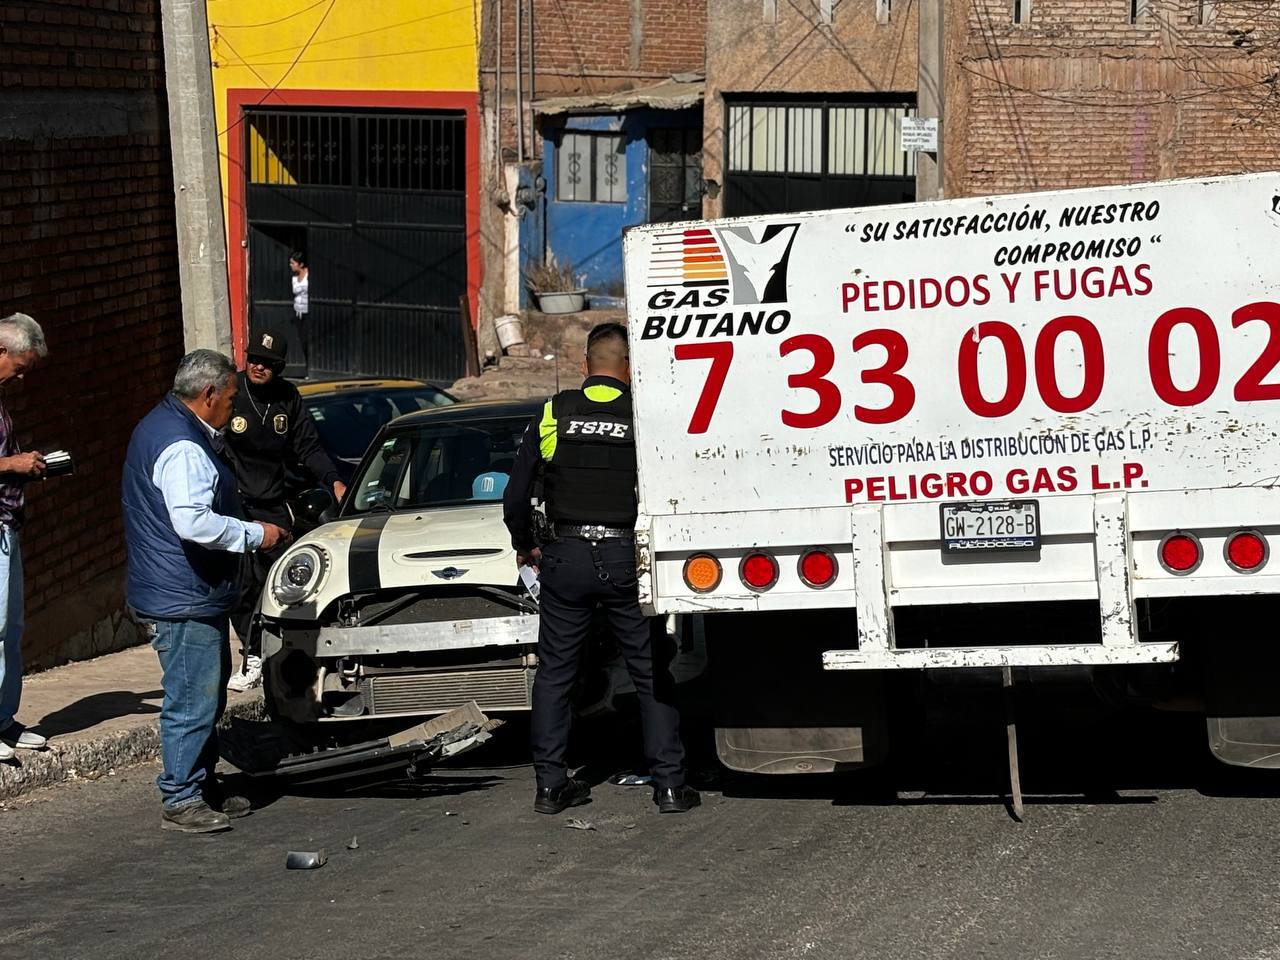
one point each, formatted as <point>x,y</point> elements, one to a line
<point>22,346</point>
<point>269,428</point>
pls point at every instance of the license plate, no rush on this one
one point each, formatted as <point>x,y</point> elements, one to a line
<point>990,526</point>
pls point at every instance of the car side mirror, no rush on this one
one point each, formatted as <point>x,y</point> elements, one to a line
<point>315,503</point>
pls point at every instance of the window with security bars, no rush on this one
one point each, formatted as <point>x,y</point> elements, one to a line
<point>854,140</point>
<point>591,167</point>
<point>399,151</point>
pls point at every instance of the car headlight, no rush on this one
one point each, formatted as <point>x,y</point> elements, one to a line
<point>299,575</point>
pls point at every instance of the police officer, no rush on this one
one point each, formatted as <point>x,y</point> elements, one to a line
<point>584,442</point>
<point>269,427</point>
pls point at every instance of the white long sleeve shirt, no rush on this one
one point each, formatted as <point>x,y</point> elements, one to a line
<point>187,479</point>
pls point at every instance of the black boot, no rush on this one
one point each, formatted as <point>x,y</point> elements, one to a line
<point>571,793</point>
<point>679,799</point>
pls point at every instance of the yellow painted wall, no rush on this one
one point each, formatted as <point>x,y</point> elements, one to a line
<point>340,45</point>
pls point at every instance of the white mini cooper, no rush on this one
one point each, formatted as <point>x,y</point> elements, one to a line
<point>408,603</point>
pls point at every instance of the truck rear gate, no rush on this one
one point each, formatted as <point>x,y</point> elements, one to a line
<point>1066,396</point>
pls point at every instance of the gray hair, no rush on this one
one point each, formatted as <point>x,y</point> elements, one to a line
<point>20,334</point>
<point>201,369</point>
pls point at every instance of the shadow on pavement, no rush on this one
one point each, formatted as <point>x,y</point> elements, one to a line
<point>92,710</point>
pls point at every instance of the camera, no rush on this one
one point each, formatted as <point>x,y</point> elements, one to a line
<point>58,463</point>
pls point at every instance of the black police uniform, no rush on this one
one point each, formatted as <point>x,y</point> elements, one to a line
<point>269,426</point>
<point>585,442</point>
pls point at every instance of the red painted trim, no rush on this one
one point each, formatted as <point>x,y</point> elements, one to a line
<point>237,227</point>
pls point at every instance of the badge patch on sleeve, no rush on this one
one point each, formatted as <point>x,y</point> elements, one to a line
<point>281,423</point>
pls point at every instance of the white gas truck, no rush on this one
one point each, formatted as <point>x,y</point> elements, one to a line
<point>1019,434</point>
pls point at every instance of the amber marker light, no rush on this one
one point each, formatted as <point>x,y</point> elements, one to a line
<point>702,573</point>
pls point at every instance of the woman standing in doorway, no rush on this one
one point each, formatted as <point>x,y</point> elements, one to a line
<point>300,282</point>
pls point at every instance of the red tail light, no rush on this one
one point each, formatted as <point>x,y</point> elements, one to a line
<point>1180,553</point>
<point>759,571</point>
<point>1246,551</point>
<point>818,568</point>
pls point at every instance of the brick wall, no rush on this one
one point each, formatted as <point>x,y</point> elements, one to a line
<point>87,247</point>
<point>1082,96</point>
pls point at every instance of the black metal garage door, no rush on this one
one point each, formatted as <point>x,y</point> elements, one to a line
<point>377,202</point>
<point>789,156</point>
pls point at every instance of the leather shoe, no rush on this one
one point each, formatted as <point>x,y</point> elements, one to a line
<point>196,817</point>
<point>679,799</point>
<point>552,800</point>
<point>233,806</point>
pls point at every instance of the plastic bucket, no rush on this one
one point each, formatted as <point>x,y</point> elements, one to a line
<point>510,331</point>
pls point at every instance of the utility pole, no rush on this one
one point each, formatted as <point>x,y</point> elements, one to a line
<point>929,96</point>
<point>197,181</point>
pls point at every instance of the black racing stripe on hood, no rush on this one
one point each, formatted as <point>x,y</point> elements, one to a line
<point>362,557</point>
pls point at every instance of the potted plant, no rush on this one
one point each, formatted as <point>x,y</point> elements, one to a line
<point>555,287</point>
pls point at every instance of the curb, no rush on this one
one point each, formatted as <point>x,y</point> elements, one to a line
<point>94,757</point>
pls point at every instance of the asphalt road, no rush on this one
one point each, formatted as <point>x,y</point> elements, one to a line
<point>1134,847</point>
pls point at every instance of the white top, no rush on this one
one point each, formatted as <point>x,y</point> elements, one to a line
<point>300,294</point>
<point>187,479</point>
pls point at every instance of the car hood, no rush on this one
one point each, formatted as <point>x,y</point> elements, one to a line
<point>437,547</point>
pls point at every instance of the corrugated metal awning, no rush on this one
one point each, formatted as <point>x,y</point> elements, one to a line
<point>675,93</point>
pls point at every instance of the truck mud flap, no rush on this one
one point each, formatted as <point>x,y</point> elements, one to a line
<point>776,710</point>
<point>790,749</point>
<point>291,752</point>
<point>1242,682</point>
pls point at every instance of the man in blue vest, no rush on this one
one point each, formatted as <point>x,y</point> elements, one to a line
<point>184,533</point>
<point>586,446</point>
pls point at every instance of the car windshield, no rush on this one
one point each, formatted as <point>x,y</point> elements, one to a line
<point>348,419</point>
<point>439,465</point>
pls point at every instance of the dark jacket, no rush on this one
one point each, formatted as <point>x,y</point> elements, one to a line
<point>169,577</point>
<point>270,427</point>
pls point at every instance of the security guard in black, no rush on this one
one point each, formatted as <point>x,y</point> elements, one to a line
<point>269,427</point>
<point>585,446</point>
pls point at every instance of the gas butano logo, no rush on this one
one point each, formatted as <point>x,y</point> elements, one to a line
<point>696,273</point>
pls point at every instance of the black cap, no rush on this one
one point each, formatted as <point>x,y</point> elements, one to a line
<point>268,345</point>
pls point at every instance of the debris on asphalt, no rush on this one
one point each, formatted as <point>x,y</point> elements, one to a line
<point>574,823</point>
<point>631,780</point>
<point>298,860</point>
<point>450,813</point>
<point>354,844</point>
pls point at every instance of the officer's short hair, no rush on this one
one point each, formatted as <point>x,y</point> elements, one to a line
<point>607,343</point>
<point>201,369</point>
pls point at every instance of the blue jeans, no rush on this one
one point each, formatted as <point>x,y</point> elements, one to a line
<point>195,656</point>
<point>10,625</point>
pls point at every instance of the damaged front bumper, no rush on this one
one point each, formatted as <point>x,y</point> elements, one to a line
<point>323,673</point>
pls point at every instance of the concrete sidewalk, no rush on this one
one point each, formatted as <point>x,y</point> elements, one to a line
<point>99,715</point>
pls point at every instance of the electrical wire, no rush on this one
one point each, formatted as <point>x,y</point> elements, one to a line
<point>284,76</point>
<point>365,33</point>
<point>268,23</point>
<point>365,56</point>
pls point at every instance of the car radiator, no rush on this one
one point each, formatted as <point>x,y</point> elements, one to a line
<point>498,688</point>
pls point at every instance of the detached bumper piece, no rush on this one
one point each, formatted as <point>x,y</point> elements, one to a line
<point>289,750</point>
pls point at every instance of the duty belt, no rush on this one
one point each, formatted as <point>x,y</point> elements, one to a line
<point>593,531</point>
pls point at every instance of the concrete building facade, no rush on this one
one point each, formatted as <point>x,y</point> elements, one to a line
<point>88,247</point>
<point>350,132</point>
<point>586,133</point>
<point>804,100</point>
